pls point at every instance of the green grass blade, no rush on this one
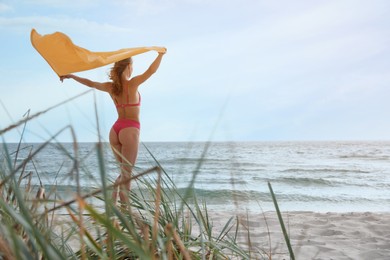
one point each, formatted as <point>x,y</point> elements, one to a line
<point>286,238</point>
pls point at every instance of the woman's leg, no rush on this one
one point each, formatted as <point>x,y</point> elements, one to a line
<point>129,140</point>
<point>116,149</point>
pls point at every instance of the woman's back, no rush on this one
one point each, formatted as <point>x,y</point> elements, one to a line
<point>128,103</point>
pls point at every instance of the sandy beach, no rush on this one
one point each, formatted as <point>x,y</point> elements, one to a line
<point>313,235</point>
<point>338,236</point>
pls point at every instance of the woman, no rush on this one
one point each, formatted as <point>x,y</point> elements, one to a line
<point>124,134</point>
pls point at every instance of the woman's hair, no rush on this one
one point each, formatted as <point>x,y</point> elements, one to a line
<point>116,75</point>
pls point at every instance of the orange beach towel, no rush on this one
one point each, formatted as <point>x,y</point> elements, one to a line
<point>64,57</point>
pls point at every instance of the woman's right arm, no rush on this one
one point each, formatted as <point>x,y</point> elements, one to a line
<point>89,83</point>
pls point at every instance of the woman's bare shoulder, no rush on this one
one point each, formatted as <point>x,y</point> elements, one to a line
<point>105,86</point>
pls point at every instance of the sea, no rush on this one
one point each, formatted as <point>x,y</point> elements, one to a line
<point>319,176</point>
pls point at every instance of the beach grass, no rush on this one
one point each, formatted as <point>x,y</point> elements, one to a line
<point>158,223</point>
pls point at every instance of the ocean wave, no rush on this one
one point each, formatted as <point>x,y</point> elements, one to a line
<point>228,197</point>
<point>194,160</point>
<point>227,194</point>
<point>304,181</point>
<point>323,170</point>
<point>222,181</point>
<point>366,157</point>
<point>65,188</point>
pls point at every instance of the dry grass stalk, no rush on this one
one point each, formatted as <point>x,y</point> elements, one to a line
<point>157,207</point>
<point>81,204</point>
<point>5,250</point>
<point>179,243</point>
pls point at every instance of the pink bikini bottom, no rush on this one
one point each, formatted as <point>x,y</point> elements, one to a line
<point>125,123</point>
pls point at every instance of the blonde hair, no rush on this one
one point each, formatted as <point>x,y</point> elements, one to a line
<point>116,73</point>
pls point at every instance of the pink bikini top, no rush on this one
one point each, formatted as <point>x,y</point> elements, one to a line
<point>129,104</point>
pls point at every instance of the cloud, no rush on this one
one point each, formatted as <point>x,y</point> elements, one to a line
<point>62,3</point>
<point>151,7</point>
<point>145,7</point>
<point>5,8</point>
<point>62,23</point>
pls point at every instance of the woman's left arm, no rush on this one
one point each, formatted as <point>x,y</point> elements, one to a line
<point>138,80</point>
<point>87,82</point>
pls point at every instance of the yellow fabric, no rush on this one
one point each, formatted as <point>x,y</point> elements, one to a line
<point>64,57</point>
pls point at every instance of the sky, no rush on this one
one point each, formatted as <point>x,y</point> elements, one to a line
<point>237,70</point>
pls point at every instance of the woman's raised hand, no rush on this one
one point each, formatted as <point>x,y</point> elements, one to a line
<point>65,77</point>
<point>163,51</point>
